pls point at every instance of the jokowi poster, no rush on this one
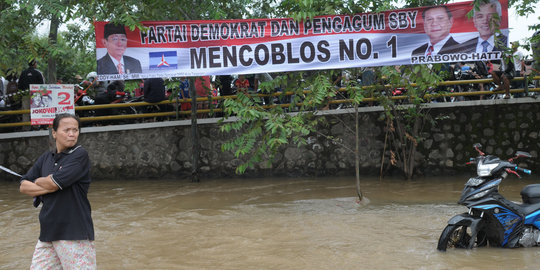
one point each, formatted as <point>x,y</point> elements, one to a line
<point>434,34</point>
<point>48,100</point>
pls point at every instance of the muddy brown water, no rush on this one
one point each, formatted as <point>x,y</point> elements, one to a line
<point>267,224</point>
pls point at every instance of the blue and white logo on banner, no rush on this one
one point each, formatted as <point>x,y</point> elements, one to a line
<point>163,60</point>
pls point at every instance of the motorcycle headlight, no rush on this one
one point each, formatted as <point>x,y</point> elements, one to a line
<point>485,169</point>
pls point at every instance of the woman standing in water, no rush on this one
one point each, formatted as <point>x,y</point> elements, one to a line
<point>60,179</point>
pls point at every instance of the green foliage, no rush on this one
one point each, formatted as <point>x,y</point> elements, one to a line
<point>15,36</point>
<point>307,9</point>
<point>424,3</point>
<point>71,60</point>
<point>260,133</point>
<point>524,7</point>
<point>406,118</point>
<point>353,88</point>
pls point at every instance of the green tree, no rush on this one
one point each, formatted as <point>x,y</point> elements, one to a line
<point>261,133</point>
<point>406,118</point>
<point>17,22</point>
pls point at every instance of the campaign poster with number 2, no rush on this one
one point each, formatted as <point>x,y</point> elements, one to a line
<point>48,100</point>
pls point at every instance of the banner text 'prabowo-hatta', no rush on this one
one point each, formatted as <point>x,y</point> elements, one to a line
<point>435,34</point>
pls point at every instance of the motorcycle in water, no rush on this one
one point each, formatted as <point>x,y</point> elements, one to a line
<point>493,220</point>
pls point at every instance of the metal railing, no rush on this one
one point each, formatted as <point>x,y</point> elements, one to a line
<point>176,112</point>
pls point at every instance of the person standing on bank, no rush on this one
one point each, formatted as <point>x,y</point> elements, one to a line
<point>154,90</point>
<point>60,180</point>
<point>115,62</point>
<point>31,75</point>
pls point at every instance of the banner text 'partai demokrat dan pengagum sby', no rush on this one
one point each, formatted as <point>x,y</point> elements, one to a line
<point>437,34</point>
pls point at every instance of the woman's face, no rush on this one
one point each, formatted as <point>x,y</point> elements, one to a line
<point>67,134</point>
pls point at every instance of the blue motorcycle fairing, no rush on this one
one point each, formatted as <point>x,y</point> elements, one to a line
<point>534,219</point>
<point>530,219</point>
<point>508,219</point>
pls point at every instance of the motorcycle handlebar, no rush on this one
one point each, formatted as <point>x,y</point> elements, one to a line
<point>471,161</point>
<point>523,170</point>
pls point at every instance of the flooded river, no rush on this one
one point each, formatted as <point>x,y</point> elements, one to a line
<point>267,224</point>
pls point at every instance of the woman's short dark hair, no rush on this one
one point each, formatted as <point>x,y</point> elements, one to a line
<point>61,116</point>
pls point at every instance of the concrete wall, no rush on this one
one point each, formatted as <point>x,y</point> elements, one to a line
<point>152,150</point>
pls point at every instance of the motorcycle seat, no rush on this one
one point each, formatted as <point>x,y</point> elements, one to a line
<point>531,194</point>
<point>529,208</point>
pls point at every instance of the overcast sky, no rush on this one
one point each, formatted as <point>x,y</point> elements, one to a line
<point>519,26</point>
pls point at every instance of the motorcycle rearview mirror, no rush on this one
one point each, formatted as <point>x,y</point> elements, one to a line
<point>523,154</point>
<point>520,154</point>
<point>478,148</point>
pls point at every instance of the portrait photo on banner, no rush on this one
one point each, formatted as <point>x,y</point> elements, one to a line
<point>454,35</point>
<point>115,61</point>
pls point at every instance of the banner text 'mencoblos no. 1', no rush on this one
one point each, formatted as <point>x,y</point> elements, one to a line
<point>435,34</point>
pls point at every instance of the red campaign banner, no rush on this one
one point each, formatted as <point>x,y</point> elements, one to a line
<point>435,34</point>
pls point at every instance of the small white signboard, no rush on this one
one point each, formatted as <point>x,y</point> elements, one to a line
<point>48,100</point>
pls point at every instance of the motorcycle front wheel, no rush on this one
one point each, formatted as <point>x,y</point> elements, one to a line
<point>459,236</point>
